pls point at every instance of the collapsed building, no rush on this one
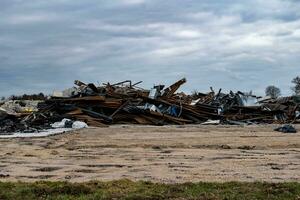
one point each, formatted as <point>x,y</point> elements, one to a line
<point>127,103</point>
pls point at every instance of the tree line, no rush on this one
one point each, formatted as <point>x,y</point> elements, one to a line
<point>39,96</point>
<point>274,92</point>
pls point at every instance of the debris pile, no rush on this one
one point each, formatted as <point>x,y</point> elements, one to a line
<point>127,103</point>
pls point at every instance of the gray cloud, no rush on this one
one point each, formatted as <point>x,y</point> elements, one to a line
<point>233,44</point>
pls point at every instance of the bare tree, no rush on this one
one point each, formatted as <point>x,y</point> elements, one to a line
<point>296,87</point>
<point>273,91</point>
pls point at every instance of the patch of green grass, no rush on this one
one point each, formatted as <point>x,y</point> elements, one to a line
<point>126,189</point>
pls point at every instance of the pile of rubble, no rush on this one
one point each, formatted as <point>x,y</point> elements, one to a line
<point>126,103</point>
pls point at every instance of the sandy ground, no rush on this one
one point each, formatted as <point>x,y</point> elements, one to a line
<point>160,154</point>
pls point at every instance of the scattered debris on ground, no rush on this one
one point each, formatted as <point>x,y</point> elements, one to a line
<point>287,128</point>
<point>126,103</point>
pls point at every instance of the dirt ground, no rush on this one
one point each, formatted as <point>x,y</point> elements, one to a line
<point>160,154</point>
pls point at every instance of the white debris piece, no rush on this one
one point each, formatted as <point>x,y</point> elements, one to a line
<point>194,102</point>
<point>151,107</point>
<point>75,125</point>
<point>211,122</point>
<point>79,125</point>
<point>60,124</point>
<point>154,109</point>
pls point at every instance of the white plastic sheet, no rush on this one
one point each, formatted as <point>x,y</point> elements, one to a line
<point>58,128</point>
<point>44,133</point>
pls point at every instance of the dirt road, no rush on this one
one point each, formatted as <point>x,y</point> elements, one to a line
<point>160,154</point>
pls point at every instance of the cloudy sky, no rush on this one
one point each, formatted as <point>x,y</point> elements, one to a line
<point>231,44</point>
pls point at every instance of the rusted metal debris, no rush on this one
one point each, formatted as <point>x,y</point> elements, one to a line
<point>126,103</point>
